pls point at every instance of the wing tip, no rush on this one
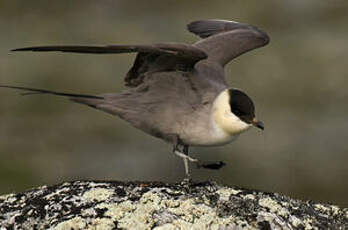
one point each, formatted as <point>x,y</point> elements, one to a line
<point>261,34</point>
<point>33,49</point>
<point>209,27</point>
<point>199,28</point>
<point>37,48</point>
<point>21,49</point>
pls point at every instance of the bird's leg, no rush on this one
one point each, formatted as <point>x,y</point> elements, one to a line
<point>183,154</point>
<point>185,158</point>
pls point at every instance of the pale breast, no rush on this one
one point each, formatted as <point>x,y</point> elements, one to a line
<point>200,129</point>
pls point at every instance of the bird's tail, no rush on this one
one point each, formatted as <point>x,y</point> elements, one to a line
<point>90,100</point>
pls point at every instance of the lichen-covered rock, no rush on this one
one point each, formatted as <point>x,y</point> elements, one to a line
<point>161,206</point>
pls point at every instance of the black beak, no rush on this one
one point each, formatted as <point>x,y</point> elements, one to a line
<point>258,124</point>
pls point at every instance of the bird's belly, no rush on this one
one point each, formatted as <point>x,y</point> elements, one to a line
<point>197,137</point>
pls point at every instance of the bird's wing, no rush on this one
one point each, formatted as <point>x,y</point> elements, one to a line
<point>175,49</point>
<point>150,58</point>
<point>225,40</point>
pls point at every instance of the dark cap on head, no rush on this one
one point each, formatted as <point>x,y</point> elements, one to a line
<point>241,105</point>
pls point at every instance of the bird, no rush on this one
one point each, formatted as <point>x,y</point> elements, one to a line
<point>177,91</point>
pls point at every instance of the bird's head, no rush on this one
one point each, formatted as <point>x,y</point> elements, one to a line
<point>234,112</point>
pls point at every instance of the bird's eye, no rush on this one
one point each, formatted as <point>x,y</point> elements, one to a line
<point>237,112</point>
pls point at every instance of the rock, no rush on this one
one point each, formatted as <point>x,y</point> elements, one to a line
<point>149,205</point>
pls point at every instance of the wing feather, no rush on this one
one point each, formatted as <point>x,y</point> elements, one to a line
<point>150,58</point>
<point>175,49</point>
<point>225,40</point>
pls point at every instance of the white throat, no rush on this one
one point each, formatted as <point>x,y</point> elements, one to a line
<point>223,117</point>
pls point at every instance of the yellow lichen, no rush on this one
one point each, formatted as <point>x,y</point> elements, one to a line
<point>102,224</point>
<point>74,223</point>
<point>249,197</point>
<point>97,194</point>
<point>295,221</point>
<point>131,215</point>
<point>273,206</point>
<point>117,211</point>
<point>5,197</point>
<point>335,210</point>
<point>225,193</point>
<point>170,203</point>
<point>168,226</point>
<point>322,208</point>
<point>150,197</point>
<point>308,224</point>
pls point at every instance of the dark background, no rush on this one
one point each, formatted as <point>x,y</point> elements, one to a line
<point>298,82</point>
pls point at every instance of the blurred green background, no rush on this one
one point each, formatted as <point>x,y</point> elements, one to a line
<point>298,82</point>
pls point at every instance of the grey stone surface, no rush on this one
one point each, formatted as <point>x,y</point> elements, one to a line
<point>148,205</point>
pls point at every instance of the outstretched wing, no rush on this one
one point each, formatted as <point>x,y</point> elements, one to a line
<point>150,58</point>
<point>225,40</point>
<point>222,41</point>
